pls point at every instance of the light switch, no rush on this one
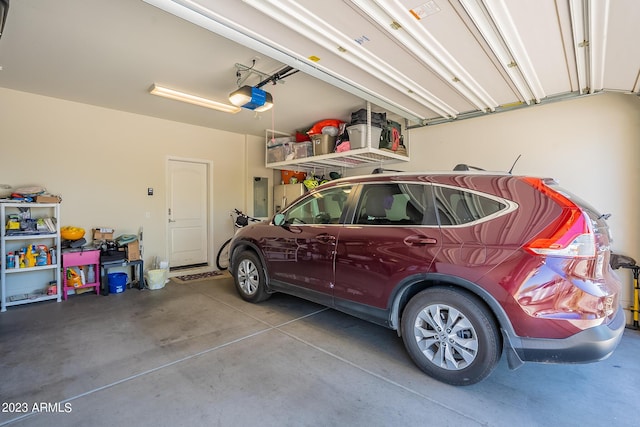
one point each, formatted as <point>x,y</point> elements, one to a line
<point>149,191</point>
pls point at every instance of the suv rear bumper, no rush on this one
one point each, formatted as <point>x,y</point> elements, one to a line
<point>590,345</point>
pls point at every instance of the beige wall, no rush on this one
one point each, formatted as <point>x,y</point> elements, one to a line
<point>102,161</point>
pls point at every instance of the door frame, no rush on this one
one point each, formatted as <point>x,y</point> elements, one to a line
<point>209,215</point>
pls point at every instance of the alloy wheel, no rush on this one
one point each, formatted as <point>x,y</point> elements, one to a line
<point>446,337</point>
<point>248,277</point>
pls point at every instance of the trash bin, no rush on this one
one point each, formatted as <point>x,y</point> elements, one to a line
<point>157,278</point>
<point>117,282</point>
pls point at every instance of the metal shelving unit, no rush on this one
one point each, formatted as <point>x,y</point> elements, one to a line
<point>14,290</point>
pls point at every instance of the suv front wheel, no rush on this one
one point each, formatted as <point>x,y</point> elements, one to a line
<point>451,336</point>
<point>249,277</point>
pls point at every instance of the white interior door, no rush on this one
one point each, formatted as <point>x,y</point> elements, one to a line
<point>188,213</point>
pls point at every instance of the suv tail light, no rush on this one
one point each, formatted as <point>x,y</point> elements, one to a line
<point>571,235</point>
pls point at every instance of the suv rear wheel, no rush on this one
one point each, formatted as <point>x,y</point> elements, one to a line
<point>451,336</point>
<point>249,277</point>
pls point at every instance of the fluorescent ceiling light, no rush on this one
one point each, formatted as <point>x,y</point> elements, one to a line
<point>251,98</point>
<point>192,99</point>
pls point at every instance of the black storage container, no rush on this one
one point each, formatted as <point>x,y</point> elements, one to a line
<point>359,117</point>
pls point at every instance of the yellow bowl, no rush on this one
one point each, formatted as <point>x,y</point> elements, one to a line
<point>71,233</point>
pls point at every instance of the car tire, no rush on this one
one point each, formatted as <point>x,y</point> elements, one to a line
<point>451,335</point>
<point>249,277</point>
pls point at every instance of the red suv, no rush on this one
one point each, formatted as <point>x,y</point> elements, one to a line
<point>463,265</point>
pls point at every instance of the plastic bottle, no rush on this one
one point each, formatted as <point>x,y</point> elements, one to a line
<point>41,258</point>
<point>30,259</point>
<point>83,279</point>
<point>73,279</point>
<point>91,274</point>
<point>54,260</point>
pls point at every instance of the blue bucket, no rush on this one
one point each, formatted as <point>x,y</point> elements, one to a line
<point>117,282</point>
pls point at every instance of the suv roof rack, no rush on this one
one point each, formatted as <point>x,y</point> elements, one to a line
<point>465,167</point>
<point>383,170</point>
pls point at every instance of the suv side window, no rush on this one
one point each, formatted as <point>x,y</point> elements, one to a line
<point>457,206</point>
<point>396,204</point>
<point>325,207</point>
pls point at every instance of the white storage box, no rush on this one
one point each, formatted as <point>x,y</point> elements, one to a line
<point>358,136</point>
<point>282,140</point>
<point>302,149</point>
<point>280,152</point>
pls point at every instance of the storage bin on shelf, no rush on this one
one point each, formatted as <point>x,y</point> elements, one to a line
<point>302,149</point>
<point>323,144</point>
<point>289,151</point>
<point>360,117</point>
<point>358,136</point>
<point>279,152</point>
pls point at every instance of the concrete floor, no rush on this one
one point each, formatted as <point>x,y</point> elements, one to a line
<point>196,354</point>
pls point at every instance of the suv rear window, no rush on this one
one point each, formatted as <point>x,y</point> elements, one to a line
<point>457,206</point>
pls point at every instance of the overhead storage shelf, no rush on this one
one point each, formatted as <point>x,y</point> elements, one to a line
<point>360,157</point>
<point>282,153</point>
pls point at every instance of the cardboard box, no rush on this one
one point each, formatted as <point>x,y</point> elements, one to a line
<point>48,199</point>
<point>103,233</point>
<point>132,251</point>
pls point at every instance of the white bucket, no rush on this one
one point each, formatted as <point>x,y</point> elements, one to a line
<point>156,279</point>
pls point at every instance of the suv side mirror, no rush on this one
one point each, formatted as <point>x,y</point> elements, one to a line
<point>278,219</point>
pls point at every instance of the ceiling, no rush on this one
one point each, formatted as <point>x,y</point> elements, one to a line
<point>427,61</point>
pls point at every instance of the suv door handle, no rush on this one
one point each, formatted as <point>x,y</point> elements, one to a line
<point>416,240</point>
